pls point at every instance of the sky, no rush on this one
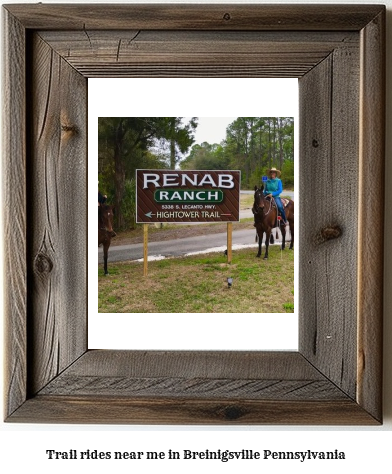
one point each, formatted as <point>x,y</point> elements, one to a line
<point>211,129</point>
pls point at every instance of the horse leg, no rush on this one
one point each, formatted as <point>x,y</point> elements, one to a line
<point>105,258</point>
<point>260,235</point>
<point>291,225</point>
<point>283,230</point>
<point>267,239</point>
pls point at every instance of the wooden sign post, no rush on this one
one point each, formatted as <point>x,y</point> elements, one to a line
<point>229,241</point>
<point>145,249</point>
<point>197,196</point>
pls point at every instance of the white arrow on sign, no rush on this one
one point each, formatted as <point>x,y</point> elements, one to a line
<point>149,214</point>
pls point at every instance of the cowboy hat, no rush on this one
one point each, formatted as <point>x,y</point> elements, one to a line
<point>274,170</point>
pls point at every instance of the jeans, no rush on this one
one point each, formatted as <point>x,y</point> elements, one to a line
<point>280,207</point>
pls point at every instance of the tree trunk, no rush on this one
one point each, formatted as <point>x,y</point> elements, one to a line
<point>269,143</point>
<point>172,144</point>
<point>274,144</point>
<point>119,175</point>
<point>280,134</point>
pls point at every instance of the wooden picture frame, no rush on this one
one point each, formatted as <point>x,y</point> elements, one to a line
<point>338,54</point>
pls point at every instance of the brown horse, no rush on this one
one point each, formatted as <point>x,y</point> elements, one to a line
<point>105,231</point>
<point>266,218</point>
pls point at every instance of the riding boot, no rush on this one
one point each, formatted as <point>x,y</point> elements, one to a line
<point>284,218</point>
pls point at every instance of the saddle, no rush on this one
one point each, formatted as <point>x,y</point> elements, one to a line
<point>285,203</point>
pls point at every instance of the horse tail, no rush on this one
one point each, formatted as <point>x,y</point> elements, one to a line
<point>277,235</point>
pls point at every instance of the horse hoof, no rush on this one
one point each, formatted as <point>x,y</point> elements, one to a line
<point>265,257</point>
<point>258,256</point>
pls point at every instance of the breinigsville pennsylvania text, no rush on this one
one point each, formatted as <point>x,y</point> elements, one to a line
<point>223,455</point>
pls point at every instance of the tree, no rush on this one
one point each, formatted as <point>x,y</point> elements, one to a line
<point>180,136</point>
<point>123,139</point>
<point>252,145</point>
<point>206,157</point>
<point>127,143</point>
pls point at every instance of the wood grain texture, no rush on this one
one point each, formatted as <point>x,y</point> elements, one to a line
<point>205,374</point>
<point>195,17</point>
<point>196,387</point>
<point>57,214</point>
<point>14,209</point>
<point>126,53</point>
<point>336,376</point>
<point>118,410</point>
<point>188,387</point>
<point>329,98</point>
<point>207,364</point>
<point>371,216</point>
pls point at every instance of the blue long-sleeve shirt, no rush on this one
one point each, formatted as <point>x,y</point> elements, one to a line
<point>274,187</point>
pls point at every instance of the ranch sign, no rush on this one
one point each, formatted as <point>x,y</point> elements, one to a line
<point>187,196</point>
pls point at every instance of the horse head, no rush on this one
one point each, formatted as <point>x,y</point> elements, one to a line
<point>259,200</point>
<point>105,218</point>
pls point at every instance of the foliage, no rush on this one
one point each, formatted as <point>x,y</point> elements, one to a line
<point>288,174</point>
<point>252,145</point>
<point>129,201</point>
<point>206,157</point>
<point>129,143</point>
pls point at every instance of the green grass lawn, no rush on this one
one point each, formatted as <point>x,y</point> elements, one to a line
<point>199,284</point>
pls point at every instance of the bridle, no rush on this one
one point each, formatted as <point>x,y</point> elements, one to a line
<point>101,219</point>
<point>256,207</point>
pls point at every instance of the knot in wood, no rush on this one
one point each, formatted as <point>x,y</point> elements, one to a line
<point>69,128</point>
<point>227,16</point>
<point>232,412</point>
<point>43,264</point>
<point>315,143</point>
<point>328,233</point>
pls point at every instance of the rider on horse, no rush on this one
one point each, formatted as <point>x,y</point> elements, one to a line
<point>273,188</point>
<point>101,198</point>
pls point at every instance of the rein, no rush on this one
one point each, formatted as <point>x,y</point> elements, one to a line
<point>270,206</point>
<point>102,228</point>
<point>102,223</point>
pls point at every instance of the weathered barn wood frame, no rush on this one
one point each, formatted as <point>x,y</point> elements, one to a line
<point>337,52</point>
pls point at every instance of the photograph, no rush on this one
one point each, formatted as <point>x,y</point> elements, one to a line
<point>196,214</point>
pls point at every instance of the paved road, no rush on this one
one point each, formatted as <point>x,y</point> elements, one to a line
<point>180,247</point>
